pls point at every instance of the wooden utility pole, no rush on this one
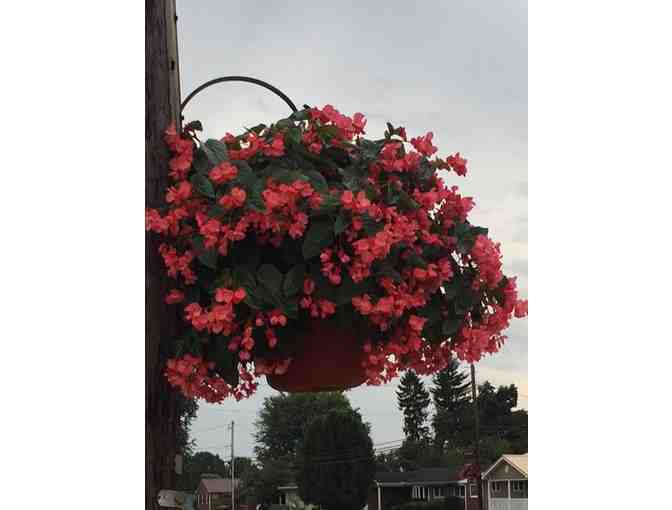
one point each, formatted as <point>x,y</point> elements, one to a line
<point>477,446</point>
<point>162,106</point>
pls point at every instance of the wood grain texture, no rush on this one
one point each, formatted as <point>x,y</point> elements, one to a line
<point>162,103</point>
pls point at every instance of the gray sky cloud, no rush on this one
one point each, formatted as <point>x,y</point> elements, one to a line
<point>457,68</point>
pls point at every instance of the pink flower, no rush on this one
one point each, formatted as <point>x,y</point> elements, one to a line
<point>521,309</point>
<point>174,296</point>
<point>416,323</point>
<point>277,146</point>
<point>223,172</point>
<point>180,193</point>
<point>236,198</point>
<point>458,164</point>
<point>424,144</point>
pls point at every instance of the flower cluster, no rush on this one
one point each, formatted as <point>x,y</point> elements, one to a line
<point>306,220</point>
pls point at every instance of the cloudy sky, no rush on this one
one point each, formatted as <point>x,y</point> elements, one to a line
<point>454,67</point>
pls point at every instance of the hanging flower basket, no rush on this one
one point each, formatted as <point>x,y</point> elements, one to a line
<point>307,253</point>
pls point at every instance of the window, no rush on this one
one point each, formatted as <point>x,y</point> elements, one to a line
<point>473,490</point>
<point>438,492</point>
<point>517,486</point>
<point>497,487</point>
<point>463,491</point>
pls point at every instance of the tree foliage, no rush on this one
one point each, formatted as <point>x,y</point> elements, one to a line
<point>283,419</point>
<point>337,462</point>
<point>200,463</point>
<point>413,401</point>
<point>450,393</point>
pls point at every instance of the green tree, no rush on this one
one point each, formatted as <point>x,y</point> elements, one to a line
<point>263,482</point>
<point>201,463</point>
<point>517,433</point>
<point>337,462</point>
<point>495,408</point>
<point>413,401</point>
<point>283,419</point>
<point>450,393</point>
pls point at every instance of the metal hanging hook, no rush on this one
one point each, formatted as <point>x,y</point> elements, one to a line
<point>246,79</point>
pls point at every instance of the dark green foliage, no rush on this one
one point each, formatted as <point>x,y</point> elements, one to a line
<point>495,408</point>
<point>263,482</point>
<point>452,405</point>
<point>283,420</point>
<point>198,464</point>
<point>337,463</point>
<point>413,401</point>
<point>517,433</point>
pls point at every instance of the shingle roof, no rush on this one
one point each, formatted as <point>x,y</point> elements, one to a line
<point>518,462</point>
<point>425,475</point>
<point>218,485</point>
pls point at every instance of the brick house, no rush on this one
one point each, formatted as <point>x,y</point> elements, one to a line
<point>428,484</point>
<point>215,493</point>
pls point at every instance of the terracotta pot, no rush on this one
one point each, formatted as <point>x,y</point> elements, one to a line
<point>329,359</point>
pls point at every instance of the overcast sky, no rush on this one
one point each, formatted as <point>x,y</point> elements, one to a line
<point>457,68</point>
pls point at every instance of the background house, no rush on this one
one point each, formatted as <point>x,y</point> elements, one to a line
<point>428,484</point>
<point>289,498</point>
<point>505,483</point>
<point>215,493</point>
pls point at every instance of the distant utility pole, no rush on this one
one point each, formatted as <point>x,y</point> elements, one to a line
<point>233,471</point>
<point>477,448</point>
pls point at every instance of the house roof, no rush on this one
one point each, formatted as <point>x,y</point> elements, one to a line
<point>419,476</point>
<point>218,485</point>
<point>518,462</point>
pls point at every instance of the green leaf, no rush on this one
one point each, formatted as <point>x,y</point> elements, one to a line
<point>201,164</point>
<point>271,279</point>
<point>341,224</point>
<point>330,204</point>
<point>451,326</point>
<point>301,115</point>
<point>476,231</point>
<point>207,257</point>
<point>406,202</point>
<point>293,282</point>
<point>194,125</point>
<point>451,289</point>
<point>318,237</point>
<point>291,308</point>
<point>371,226</point>
<point>348,289</point>
<point>286,176</point>
<point>417,261</point>
<point>246,176</point>
<point>244,277</point>
<point>202,185</point>
<point>317,180</point>
<point>226,362</point>
<point>255,200</point>
<point>390,272</point>
<point>216,151</point>
<point>293,136</point>
<point>371,149</point>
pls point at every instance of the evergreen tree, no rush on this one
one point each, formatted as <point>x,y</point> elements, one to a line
<point>337,461</point>
<point>413,401</point>
<point>451,402</point>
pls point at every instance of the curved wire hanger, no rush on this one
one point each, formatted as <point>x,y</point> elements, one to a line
<point>246,79</point>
